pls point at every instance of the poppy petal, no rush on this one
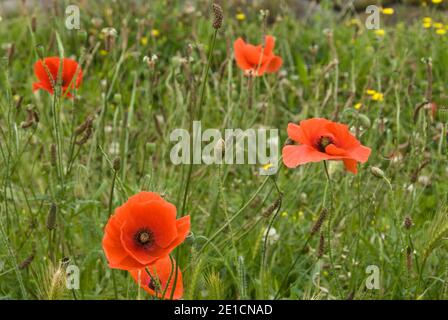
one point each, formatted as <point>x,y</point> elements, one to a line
<point>47,71</point>
<point>71,73</point>
<point>335,151</point>
<point>162,271</point>
<point>144,196</point>
<point>313,129</point>
<point>342,136</point>
<point>361,153</point>
<point>274,64</point>
<point>351,165</point>
<point>41,85</point>
<point>183,229</point>
<point>240,58</point>
<point>159,217</point>
<point>294,132</point>
<point>294,156</point>
<point>261,69</point>
<point>269,45</point>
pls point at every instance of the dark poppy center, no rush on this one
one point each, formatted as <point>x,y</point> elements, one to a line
<point>323,142</point>
<point>144,238</point>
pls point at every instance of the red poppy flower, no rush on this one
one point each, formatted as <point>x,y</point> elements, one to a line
<point>143,230</point>
<point>156,284</point>
<point>71,75</point>
<point>321,139</point>
<point>257,59</point>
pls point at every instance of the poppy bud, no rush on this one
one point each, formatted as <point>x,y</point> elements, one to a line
<point>51,218</point>
<point>218,16</point>
<point>377,172</point>
<point>365,121</point>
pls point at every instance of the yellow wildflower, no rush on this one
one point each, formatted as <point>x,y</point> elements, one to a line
<point>438,25</point>
<point>388,11</point>
<point>144,41</point>
<point>378,97</point>
<point>370,92</point>
<point>436,1</point>
<point>103,52</point>
<point>441,31</point>
<point>427,25</point>
<point>240,16</point>
<point>155,33</point>
<point>380,32</point>
<point>358,106</point>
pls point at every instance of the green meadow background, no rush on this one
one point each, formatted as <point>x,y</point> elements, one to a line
<point>57,187</point>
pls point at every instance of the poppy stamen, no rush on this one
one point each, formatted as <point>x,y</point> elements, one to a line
<point>144,238</point>
<point>324,141</point>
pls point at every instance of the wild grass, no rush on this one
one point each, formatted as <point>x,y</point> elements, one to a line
<point>329,63</point>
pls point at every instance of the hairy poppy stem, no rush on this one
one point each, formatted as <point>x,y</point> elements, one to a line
<point>173,270</point>
<point>116,168</point>
<point>250,90</point>
<point>330,252</point>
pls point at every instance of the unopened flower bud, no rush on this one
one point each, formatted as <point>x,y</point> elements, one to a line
<point>377,172</point>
